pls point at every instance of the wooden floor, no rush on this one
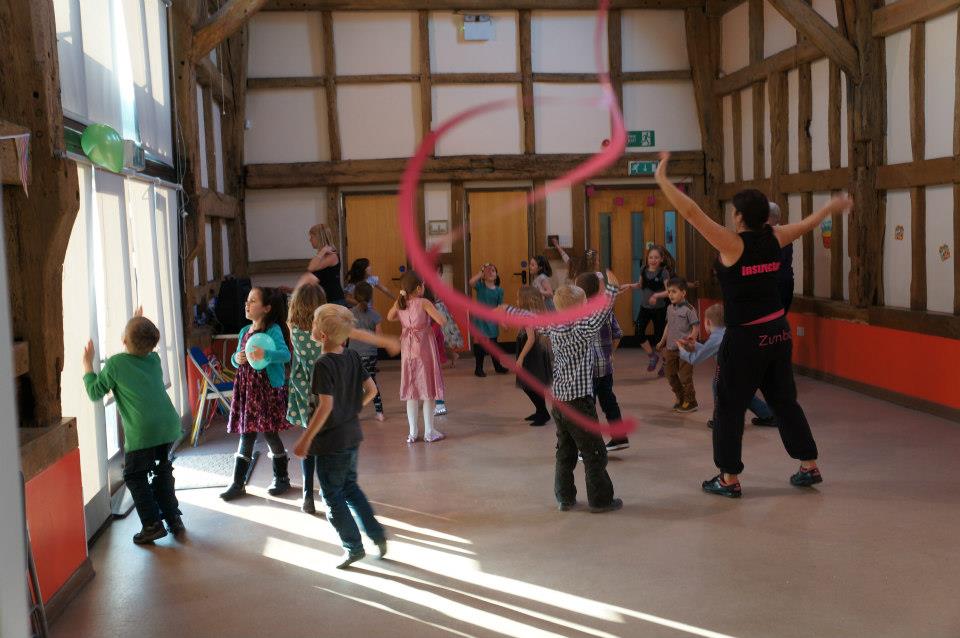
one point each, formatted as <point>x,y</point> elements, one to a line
<point>478,548</point>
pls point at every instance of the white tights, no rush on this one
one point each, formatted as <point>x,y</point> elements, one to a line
<point>412,406</point>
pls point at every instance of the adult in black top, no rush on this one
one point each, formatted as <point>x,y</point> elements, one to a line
<point>756,349</point>
<point>324,268</point>
<point>785,281</point>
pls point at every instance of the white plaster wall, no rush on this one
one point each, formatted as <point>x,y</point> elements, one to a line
<point>778,34</point>
<point>436,202</point>
<point>898,97</point>
<point>496,132</point>
<point>668,108</point>
<point>820,88</point>
<point>562,42</point>
<point>940,233</point>
<point>378,120</point>
<point>735,29</point>
<point>278,221</point>
<point>896,253</point>
<point>653,40</point>
<point>793,115</point>
<point>728,211</point>
<point>217,146</point>
<point>767,135</point>
<point>368,42</point>
<point>560,215</point>
<point>939,84</point>
<point>450,53</point>
<point>285,44</point>
<point>827,9</point>
<point>225,254</point>
<point>569,118</point>
<point>286,125</point>
<point>208,245</point>
<point>728,152</point>
<point>746,129</point>
<point>795,206</point>
<point>821,256</point>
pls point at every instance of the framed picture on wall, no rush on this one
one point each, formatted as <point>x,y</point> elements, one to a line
<point>552,239</point>
<point>438,227</point>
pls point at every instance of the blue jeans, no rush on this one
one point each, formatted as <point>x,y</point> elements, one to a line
<point>757,406</point>
<point>337,474</point>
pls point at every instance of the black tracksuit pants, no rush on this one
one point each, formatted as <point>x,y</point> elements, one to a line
<point>752,358</point>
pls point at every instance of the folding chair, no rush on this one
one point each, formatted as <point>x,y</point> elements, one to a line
<point>214,388</point>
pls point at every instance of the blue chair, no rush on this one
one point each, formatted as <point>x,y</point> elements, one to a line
<point>215,390</point>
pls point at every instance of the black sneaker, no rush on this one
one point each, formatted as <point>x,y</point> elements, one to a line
<point>501,370</point>
<point>540,420</point>
<point>176,526</point>
<point>688,406</point>
<point>767,422</point>
<point>382,547</point>
<point>806,478</point>
<point>676,406</point>
<point>350,558</point>
<point>710,424</point>
<point>716,486</point>
<point>479,373</point>
<point>532,417</point>
<point>150,533</point>
<point>566,507</point>
<point>617,444</point>
<point>614,505</point>
<point>308,506</point>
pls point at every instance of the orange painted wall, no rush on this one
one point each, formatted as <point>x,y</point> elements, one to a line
<point>57,530</point>
<point>916,365</point>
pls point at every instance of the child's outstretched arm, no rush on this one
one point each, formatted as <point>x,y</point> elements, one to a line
<point>388,343</point>
<point>394,313</point>
<point>385,290</point>
<point>563,254</point>
<point>97,385</point>
<point>369,391</point>
<point>317,421</point>
<point>476,278</point>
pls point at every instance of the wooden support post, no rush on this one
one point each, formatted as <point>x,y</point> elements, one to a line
<point>756,57</point>
<point>615,53</point>
<point>918,194</point>
<point>821,33</point>
<point>333,218</point>
<point>833,146</point>
<point>779,136</point>
<point>457,197</point>
<point>737,138</point>
<point>805,154</point>
<point>539,222</point>
<point>526,86</point>
<point>426,84</point>
<point>330,71</point>
<point>956,185</point>
<point>578,195</point>
<point>228,20</point>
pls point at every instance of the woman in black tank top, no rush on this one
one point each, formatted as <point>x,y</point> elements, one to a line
<point>756,352</point>
<point>324,267</point>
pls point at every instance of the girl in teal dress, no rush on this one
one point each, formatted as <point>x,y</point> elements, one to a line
<point>486,283</point>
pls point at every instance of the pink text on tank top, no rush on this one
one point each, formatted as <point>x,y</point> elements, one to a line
<point>746,271</point>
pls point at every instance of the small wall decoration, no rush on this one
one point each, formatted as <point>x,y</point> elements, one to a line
<point>651,200</point>
<point>618,201</point>
<point>649,245</point>
<point>898,233</point>
<point>438,227</point>
<point>826,227</point>
<point>590,191</point>
<point>944,252</point>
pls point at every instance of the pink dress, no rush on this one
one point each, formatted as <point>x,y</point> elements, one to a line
<point>420,377</point>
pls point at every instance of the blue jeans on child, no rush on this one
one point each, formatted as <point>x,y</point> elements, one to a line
<point>757,406</point>
<point>337,474</point>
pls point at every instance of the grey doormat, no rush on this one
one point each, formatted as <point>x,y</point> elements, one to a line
<point>199,471</point>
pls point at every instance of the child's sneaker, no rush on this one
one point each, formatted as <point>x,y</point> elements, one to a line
<point>350,558</point>
<point>440,410</point>
<point>381,417</point>
<point>412,439</point>
<point>688,406</point>
<point>614,505</point>
<point>617,444</point>
<point>652,363</point>
<point>806,478</point>
<point>770,421</point>
<point>150,533</point>
<point>435,436</point>
<point>676,406</point>
<point>382,547</point>
<point>566,507</point>
<point>718,487</point>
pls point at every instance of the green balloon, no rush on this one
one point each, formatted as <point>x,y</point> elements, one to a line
<point>104,146</point>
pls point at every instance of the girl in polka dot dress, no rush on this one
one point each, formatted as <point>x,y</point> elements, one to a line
<point>303,304</point>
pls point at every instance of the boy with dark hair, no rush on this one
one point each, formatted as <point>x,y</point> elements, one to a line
<point>682,324</point>
<point>150,425</point>
<point>343,387</point>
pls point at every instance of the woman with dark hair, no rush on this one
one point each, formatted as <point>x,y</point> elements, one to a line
<point>540,272</point>
<point>756,349</point>
<point>360,270</point>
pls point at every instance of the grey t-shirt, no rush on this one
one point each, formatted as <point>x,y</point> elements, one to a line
<point>366,320</point>
<point>340,376</point>
<point>681,317</point>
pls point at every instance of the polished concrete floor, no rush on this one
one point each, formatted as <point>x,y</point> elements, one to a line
<point>478,548</point>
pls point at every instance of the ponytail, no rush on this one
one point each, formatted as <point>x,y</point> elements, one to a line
<point>408,285</point>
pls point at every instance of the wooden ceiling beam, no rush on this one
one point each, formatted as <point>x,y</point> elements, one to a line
<point>899,15</point>
<point>470,5</point>
<point>786,60</point>
<point>221,25</point>
<point>822,34</point>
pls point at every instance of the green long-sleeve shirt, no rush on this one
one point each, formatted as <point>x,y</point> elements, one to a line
<point>148,416</point>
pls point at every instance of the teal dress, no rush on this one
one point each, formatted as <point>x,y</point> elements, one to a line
<point>305,354</point>
<point>492,297</point>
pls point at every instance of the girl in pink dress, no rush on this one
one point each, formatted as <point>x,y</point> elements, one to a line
<point>421,383</point>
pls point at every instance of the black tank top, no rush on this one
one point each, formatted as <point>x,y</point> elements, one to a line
<point>749,286</point>
<point>652,284</point>
<point>330,282</point>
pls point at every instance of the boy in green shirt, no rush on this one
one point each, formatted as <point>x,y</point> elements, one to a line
<point>150,425</point>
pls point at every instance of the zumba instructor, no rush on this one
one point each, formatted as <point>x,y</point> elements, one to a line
<point>756,350</point>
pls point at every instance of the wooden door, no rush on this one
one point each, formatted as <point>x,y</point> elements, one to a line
<point>372,232</point>
<point>623,224</point>
<point>500,234</point>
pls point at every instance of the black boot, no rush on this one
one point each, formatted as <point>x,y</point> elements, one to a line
<point>308,506</point>
<point>281,480</point>
<point>237,489</point>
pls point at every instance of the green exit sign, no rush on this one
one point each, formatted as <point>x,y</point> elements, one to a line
<point>641,168</point>
<point>641,138</point>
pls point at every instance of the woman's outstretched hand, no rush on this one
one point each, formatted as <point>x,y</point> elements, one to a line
<point>661,172</point>
<point>841,203</point>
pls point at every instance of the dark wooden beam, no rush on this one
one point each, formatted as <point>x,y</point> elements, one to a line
<point>526,86</point>
<point>210,77</point>
<point>278,266</point>
<point>457,204</point>
<point>899,15</point>
<point>786,60</point>
<point>779,136</point>
<point>578,203</point>
<point>425,79</point>
<point>821,33</point>
<point>470,5</point>
<point>462,168</point>
<point>911,174</point>
<point>834,142</point>
<point>918,194</point>
<point>377,78</point>
<point>737,110</point>
<point>956,184</point>
<point>615,53</point>
<point>654,76</point>
<point>330,71</point>
<point>477,78</point>
<point>222,24</point>
<point>716,8</point>
<point>727,191</point>
<point>286,83</point>
<point>9,159</point>
<point>210,203</point>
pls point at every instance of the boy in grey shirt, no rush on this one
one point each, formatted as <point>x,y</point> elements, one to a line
<point>367,319</point>
<point>682,325</point>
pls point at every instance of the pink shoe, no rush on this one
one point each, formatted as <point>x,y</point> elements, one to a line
<point>381,417</point>
<point>412,439</point>
<point>436,436</point>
